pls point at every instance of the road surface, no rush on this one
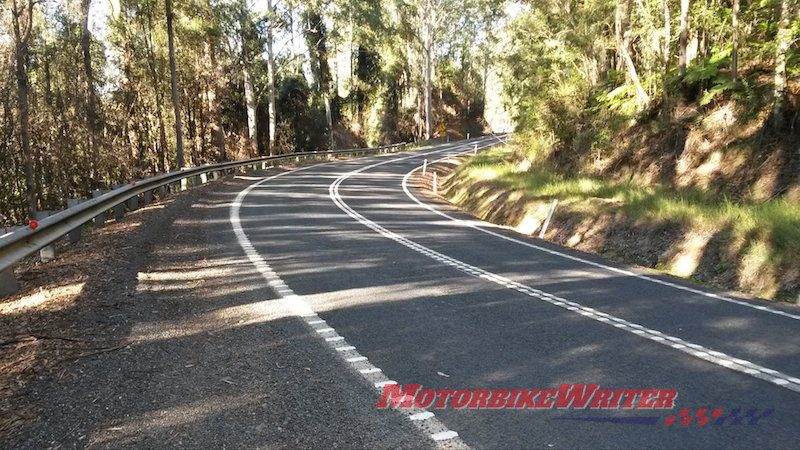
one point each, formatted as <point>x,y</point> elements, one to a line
<point>421,290</point>
<point>273,307</point>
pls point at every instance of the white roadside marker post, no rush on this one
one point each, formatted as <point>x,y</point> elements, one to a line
<point>547,221</point>
<point>475,150</point>
<point>424,167</point>
<point>434,183</point>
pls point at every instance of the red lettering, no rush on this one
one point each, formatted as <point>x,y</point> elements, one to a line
<point>575,395</point>
<point>394,394</point>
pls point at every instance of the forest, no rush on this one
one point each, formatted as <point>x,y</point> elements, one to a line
<point>696,98</point>
<point>97,93</point>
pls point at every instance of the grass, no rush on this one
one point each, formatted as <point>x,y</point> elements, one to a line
<point>765,236</point>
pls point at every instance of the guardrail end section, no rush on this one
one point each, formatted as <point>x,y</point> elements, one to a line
<point>8,283</point>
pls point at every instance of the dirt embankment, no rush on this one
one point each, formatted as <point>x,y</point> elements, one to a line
<point>714,256</point>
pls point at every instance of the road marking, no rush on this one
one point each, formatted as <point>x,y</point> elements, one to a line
<point>625,272</point>
<point>715,357</point>
<point>298,305</point>
<point>421,416</point>
<point>444,435</point>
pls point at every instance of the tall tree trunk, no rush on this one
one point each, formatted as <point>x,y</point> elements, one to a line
<point>161,152</point>
<point>91,97</point>
<point>735,50</point>
<point>250,102</point>
<point>683,37</point>
<point>217,129</point>
<point>427,49</point>
<point>618,15</point>
<point>329,118</point>
<point>642,99</point>
<point>249,91</point>
<point>666,51</point>
<point>623,17</point>
<point>317,42</point>
<point>783,39</point>
<point>176,101</point>
<point>22,34</point>
<point>271,79</point>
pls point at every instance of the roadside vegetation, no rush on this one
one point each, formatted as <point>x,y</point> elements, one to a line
<point>667,130</point>
<point>688,232</point>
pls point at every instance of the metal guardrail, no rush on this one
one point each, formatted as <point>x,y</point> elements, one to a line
<point>24,241</point>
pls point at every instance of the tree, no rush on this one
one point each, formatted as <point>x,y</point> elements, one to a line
<point>683,37</point>
<point>317,41</point>
<point>23,26</point>
<point>783,40</point>
<point>735,38</point>
<point>666,54</point>
<point>641,96</point>
<point>91,96</point>
<point>248,36</point>
<point>271,22</point>
<point>176,101</point>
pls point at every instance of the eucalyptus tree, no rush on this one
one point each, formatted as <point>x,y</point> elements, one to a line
<point>22,15</point>
<point>176,100</point>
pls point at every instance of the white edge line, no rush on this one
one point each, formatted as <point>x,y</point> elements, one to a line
<point>301,308</point>
<point>579,259</point>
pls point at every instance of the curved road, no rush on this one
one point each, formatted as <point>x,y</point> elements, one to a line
<point>405,289</point>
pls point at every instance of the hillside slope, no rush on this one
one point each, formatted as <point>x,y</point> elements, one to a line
<point>713,195</point>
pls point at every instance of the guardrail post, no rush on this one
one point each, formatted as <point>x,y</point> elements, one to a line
<point>100,219</point>
<point>75,235</point>
<point>162,192</point>
<point>133,203</point>
<point>547,220</point>
<point>183,185</point>
<point>148,196</point>
<point>119,210</point>
<point>47,253</point>
<point>8,283</point>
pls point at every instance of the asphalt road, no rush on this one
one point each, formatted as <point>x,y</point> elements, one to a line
<point>416,292</point>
